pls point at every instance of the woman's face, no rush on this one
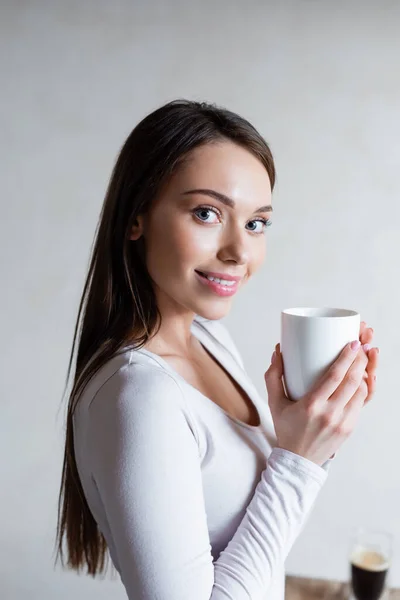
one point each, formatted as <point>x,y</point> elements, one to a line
<point>187,231</point>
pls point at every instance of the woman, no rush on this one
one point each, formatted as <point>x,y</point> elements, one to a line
<point>172,462</point>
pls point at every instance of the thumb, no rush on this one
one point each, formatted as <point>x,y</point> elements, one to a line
<point>273,380</point>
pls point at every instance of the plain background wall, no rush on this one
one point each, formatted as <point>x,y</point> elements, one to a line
<point>320,80</point>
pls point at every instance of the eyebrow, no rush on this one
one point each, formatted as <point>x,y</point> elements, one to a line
<point>225,199</point>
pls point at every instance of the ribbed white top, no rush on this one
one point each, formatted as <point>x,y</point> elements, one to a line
<point>194,504</point>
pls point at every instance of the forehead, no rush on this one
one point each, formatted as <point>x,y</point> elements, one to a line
<point>226,167</point>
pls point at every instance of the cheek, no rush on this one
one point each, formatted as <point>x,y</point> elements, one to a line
<point>174,246</point>
<point>191,242</point>
<point>202,242</point>
<point>258,256</point>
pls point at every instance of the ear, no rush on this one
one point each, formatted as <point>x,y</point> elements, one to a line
<point>137,228</point>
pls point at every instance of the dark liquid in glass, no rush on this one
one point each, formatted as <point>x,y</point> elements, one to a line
<point>368,574</point>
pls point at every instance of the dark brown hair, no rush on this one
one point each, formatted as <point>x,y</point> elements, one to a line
<point>118,305</point>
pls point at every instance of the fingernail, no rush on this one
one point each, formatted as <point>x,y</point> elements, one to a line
<point>355,345</point>
<point>377,350</point>
<point>366,347</point>
<point>273,356</point>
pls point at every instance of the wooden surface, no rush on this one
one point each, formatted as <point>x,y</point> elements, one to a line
<point>300,588</point>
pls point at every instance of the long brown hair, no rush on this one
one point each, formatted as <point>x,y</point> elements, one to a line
<point>118,304</point>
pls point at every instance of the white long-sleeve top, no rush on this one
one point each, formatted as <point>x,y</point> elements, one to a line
<point>193,503</point>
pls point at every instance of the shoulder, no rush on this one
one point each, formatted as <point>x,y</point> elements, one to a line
<point>132,392</point>
<point>130,382</point>
<point>137,382</point>
<point>135,411</point>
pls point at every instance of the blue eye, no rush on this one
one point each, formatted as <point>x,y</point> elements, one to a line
<point>205,209</point>
<point>265,222</point>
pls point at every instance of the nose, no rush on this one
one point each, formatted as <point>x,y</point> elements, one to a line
<point>234,245</point>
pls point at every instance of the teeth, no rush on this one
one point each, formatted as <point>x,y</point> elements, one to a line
<point>221,281</point>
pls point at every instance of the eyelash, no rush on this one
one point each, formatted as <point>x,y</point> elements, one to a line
<point>266,222</point>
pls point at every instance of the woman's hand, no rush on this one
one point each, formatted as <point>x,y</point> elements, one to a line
<point>366,335</point>
<point>317,424</point>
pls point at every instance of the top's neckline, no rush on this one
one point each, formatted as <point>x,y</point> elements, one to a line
<point>221,355</point>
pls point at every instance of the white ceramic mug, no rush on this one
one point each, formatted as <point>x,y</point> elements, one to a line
<point>311,340</point>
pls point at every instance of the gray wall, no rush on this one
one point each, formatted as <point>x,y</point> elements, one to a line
<point>321,82</point>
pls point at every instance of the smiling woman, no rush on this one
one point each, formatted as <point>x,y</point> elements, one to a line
<point>182,235</point>
<point>171,465</point>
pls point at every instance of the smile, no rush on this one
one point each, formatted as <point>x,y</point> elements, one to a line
<point>220,287</point>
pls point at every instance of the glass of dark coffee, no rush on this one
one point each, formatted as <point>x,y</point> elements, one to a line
<point>370,557</point>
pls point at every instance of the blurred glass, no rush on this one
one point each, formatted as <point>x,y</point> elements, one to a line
<point>370,558</point>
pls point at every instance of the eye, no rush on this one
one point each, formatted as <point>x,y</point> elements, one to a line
<point>265,222</point>
<point>203,210</point>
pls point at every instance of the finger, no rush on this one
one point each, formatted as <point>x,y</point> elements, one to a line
<point>371,368</point>
<point>354,406</point>
<point>363,326</point>
<point>351,382</point>
<point>369,334</point>
<point>366,334</point>
<point>373,359</point>
<point>274,384</point>
<point>286,401</point>
<point>332,379</point>
<point>371,394</point>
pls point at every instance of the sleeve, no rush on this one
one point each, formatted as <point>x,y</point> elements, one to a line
<point>145,462</point>
<point>327,464</point>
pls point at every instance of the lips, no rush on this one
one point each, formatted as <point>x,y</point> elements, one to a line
<point>219,288</point>
<point>219,276</point>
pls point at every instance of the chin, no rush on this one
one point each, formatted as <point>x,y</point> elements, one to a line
<point>214,313</point>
